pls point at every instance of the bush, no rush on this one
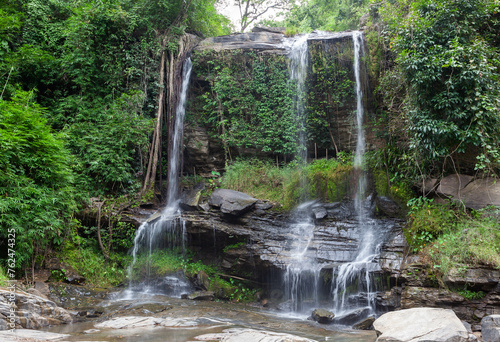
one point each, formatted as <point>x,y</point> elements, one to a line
<point>328,180</point>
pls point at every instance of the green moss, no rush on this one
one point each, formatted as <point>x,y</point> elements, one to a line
<point>4,279</point>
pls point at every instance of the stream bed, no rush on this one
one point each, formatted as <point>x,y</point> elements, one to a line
<point>161,318</point>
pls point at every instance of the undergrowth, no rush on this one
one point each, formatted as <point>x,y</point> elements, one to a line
<point>452,240</point>
<point>98,271</point>
<point>4,279</point>
<point>163,262</point>
<point>328,180</point>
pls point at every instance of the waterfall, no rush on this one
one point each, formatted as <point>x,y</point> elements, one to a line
<point>353,288</point>
<point>165,229</point>
<point>302,271</point>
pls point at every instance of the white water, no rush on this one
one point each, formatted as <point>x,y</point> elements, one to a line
<point>301,276</point>
<point>166,229</point>
<point>353,288</point>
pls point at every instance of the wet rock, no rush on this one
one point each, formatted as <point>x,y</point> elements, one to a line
<point>30,335</point>
<point>319,212</point>
<point>31,311</point>
<point>130,322</point>
<point>239,335</point>
<point>366,324</point>
<point>352,317</point>
<point>322,316</point>
<point>231,202</point>
<point>490,328</point>
<point>387,207</point>
<point>190,199</point>
<point>422,324</point>
<point>202,295</point>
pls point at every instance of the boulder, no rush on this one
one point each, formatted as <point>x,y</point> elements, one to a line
<point>231,202</point>
<point>490,328</point>
<point>30,335</point>
<point>322,316</point>
<point>31,311</point>
<point>352,317</point>
<point>452,185</point>
<point>366,324</point>
<point>420,324</point>
<point>481,193</point>
<point>387,207</point>
<point>319,212</point>
<point>202,295</point>
<point>247,335</point>
<point>190,199</point>
<point>203,279</point>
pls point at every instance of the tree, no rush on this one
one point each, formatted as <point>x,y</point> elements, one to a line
<point>251,10</point>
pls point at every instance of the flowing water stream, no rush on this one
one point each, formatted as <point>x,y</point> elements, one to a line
<point>352,286</point>
<point>165,229</point>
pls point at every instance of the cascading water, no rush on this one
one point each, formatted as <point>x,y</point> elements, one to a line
<point>302,271</point>
<point>353,287</point>
<point>165,230</point>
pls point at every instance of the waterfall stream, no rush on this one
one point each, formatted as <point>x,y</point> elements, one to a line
<point>165,229</point>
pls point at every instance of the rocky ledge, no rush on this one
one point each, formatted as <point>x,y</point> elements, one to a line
<point>30,310</point>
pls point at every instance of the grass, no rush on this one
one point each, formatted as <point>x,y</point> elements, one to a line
<point>89,262</point>
<point>454,240</point>
<point>4,279</point>
<point>163,262</point>
<point>328,180</point>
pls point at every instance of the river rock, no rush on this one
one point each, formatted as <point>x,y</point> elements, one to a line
<point>490,328</point>
<point>352,317</point>
<point>202,295</point>
<point>32,312</point>
<point>231,202</point>
<point>366,324</point>
<point>420,324</point>
<point>322,316</point>
<point>251,335</point>
<point>30,335</point>
<point>129,322</point>
<point>319,212</point>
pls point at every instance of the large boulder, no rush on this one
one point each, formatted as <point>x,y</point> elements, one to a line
<point>231,202</point>
<point>420,324</point>
<point>490,328</point>
<point>30,311</point>
<point>247,335</point>
<point>322,316</point>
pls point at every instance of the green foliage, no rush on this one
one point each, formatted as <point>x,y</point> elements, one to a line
<point>327,15</point>
<point>447,52</point>
<point>36,192</point>
<point>467,243</point>
<point>471,295</point>
<point>108,140</point>
<point>328,180</point>
<point>249,103</point>
<point>331,91</point>
<point>234,246</point>
<point>84,256</point>
<point>164,262</point>
<point>4,279</point>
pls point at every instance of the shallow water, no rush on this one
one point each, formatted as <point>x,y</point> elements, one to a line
<point>211,317</point>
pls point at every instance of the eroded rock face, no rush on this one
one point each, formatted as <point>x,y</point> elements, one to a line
<point>490,328</point>
<point>420,324</point>
<point>31,311</point>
